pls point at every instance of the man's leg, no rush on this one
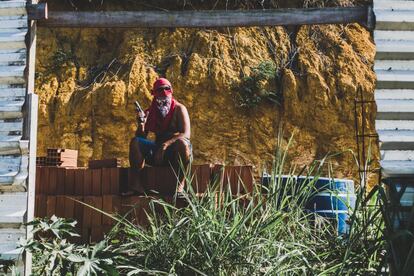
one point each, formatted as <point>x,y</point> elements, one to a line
<point>136,162</point>
<point>182,157</point>
<point>136,158</point>
<point>183,151</point>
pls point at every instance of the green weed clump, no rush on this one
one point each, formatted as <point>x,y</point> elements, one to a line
<point>267,232</point>
<point>259,87</point>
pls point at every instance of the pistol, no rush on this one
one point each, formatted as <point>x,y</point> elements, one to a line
<point>140,110</point>
<point>138,107</point>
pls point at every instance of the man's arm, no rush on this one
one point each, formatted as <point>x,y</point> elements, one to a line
<point>183,120</point>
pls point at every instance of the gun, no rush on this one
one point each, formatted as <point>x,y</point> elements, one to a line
<point>138,107</point>
<point>139,110</point>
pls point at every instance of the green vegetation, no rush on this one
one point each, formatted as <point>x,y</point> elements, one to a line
<point>260,86</point>
<point>265,233</point>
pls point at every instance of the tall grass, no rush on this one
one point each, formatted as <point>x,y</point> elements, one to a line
<point>267,232</point>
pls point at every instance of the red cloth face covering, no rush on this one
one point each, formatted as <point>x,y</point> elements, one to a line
<point>155,122</point>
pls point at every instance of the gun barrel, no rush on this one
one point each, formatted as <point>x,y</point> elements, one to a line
<point>139,108</point>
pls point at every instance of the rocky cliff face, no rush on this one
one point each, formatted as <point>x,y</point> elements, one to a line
<point>88,79</point>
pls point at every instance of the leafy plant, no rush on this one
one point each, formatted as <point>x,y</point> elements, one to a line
<point>55,255</point>
<point>259,87</point>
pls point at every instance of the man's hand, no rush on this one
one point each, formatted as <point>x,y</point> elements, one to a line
<point>141,117</point>
<point>159,155</point>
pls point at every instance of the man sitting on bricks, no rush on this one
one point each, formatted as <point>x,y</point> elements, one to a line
<point>170,122</point>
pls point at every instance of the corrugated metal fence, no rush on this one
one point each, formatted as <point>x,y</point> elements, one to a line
<point>394,94</point>
<point>14,123</point>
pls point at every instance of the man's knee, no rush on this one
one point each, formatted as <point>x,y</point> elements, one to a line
<point>135,156</point>
<point>183,148</point>
<point>134,145</point>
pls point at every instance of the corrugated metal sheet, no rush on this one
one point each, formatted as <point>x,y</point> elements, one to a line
<point>12,209</point>
<point>13,151</point>
<point>394,66</point>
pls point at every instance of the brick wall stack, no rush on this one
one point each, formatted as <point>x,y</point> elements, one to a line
<point>60,189</point>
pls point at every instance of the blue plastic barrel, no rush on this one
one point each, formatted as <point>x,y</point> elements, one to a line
<point>333,198</point>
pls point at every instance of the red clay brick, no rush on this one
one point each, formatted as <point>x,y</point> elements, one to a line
<point>44,186</point>
<point>201,175</point>
<point>131,206</point>
<point>160,180</point>
<point>107,208</point>
<point>69,208</point>
<point>60,206</point>
<point>52,181</point>
<point>218,176</point>
<point>36,206</point>
<point>37,181</point>
<point>167,181</point>
<point>50,206</point>
<point>123,179</point>
<point>60,183</point>
<point>233,180</point>
<point>96,215</point>
<point>143,211</point>
<point>78,211</point>
<point>86,235</point>
<point>106,181</point>
<point>78,175</point>
<point>115,180</point>
<point>70,181</point>
<point>105,163</point>
<point>87,211</point>
<point>246,177</point>
<point>149,176</point>
<point>41,206</point>
<point>116,204</point>
<point>87,182</point>
<point>97,182</point>
<point>97,233</point>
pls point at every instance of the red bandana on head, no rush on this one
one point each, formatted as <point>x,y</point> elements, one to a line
<point>156,122</point>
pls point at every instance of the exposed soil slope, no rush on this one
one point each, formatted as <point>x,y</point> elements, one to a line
<point>88,79</point>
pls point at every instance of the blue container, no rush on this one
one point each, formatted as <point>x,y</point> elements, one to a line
<point>332,198</point>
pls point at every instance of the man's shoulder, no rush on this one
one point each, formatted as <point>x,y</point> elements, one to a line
<point>179,106</point>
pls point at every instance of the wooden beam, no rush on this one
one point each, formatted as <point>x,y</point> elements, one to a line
<point>206,19</point>
<point>37,11</point>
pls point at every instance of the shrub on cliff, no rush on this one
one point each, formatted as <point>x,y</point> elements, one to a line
<point>259,87</point>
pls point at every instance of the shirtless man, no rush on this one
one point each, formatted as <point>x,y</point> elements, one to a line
<point>170,122</point>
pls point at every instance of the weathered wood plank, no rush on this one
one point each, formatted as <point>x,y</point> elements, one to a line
<point>200,19</point>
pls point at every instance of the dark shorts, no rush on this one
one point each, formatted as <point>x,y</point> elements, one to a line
<point>148,149</point>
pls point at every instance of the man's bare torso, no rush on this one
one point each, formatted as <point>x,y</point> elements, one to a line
<point>176,124</point>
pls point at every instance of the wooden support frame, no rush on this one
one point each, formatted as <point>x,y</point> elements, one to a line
<point>37,11</point>
<point>208,19</point>
<point>30,118</point>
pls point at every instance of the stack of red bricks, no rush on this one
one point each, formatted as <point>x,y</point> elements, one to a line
<point>59,158</point>
<point>59,189</point>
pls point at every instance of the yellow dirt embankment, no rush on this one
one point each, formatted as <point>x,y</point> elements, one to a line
<point>87,81</point>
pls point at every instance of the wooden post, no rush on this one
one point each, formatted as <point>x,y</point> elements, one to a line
<point>36,11</point>
<point>30,130</point>
<point>205,19</point>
